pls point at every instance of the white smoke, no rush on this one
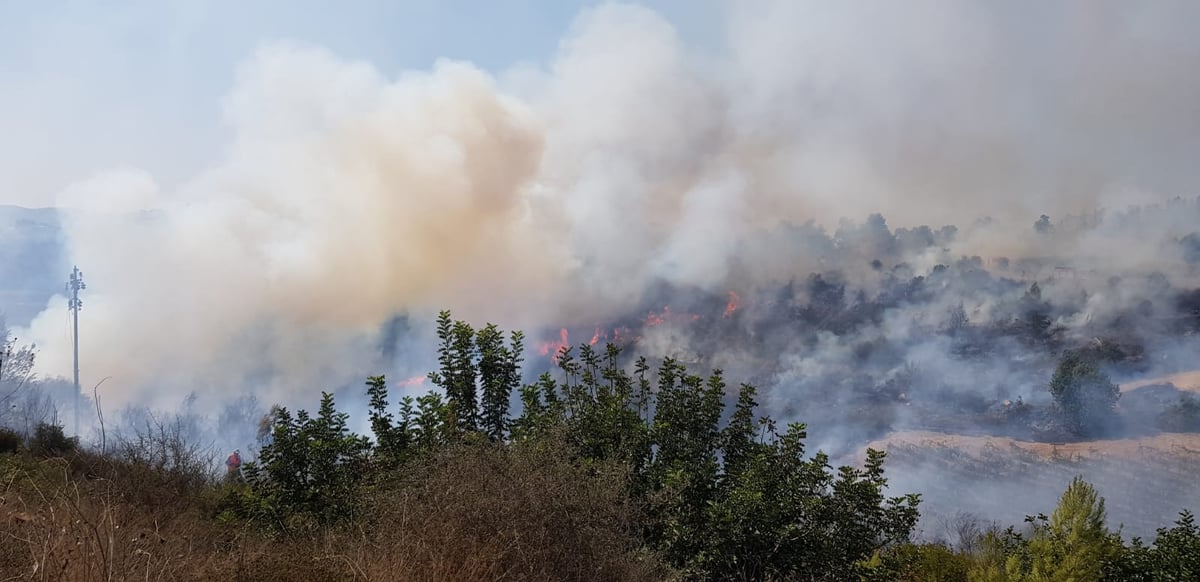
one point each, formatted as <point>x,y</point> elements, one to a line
<point>558,193</point>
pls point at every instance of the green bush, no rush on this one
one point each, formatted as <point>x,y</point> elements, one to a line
<point>718,499</point>
<point>1084,394</point>
<point>924,562</point>
<point>49,440</point>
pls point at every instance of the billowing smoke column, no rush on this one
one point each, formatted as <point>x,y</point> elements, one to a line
<point>562,194</point>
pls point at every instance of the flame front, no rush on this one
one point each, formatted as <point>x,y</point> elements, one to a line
<point>551,348</point>
<point>732,305</point>
<point>665,316</point>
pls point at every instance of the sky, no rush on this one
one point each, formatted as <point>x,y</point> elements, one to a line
<point>89,86</point>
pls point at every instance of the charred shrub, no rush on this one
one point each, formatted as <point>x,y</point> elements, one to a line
<point>10,441</point>
<point>1183,416</point>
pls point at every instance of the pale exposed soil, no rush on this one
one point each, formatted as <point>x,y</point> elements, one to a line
<point>1189,381</point>
<point>977,446</point>
<point>1146,481</point>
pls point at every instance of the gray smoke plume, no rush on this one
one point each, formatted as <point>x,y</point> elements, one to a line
<point>570,193</point>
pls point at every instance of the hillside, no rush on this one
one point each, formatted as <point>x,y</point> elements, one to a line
<point>1145,479</point>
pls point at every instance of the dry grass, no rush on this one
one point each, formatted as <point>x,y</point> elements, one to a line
<point>474,513</point>
<point>487,513</point>
<point>60,524</point>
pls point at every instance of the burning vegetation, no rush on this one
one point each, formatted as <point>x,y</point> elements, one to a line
<point>894,332</point>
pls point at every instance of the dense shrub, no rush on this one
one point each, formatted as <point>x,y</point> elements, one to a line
<point>487,512</point>
<point>10,441</point>
<point>715,499</point>
<point>49,440</point>
<point>923,562</point>
<point>607,473</point>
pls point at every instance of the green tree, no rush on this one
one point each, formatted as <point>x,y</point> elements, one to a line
<point>1174,557</point>
<point>539,409</point>
<point>735,502</point>
<point>392,440</point>
<point>684,470</point>
<point>309,472</point>
<point>457,373</point>
<point>432,422</point>
<point>1073,544</point>
<point>499,374</point>
<point>1176,554</point>
<point>1083,393</point>
<point>478,373</point>
<point>739,444</point>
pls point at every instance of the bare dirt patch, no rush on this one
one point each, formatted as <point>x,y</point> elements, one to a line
<point>1187,381</point>
<point>1146,480</point>
<point>979,446</point>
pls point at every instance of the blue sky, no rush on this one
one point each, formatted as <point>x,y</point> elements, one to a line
<point>86,86</point>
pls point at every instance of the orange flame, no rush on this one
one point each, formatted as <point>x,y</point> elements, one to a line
<point>619,334</point>
<point>552,348</point>
<point>655,319</point>
<point>414,381</point>
<point>732,305</point>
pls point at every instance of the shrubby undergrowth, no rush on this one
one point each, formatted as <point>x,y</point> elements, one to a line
<point>613,470</point>
<point>714,498</point>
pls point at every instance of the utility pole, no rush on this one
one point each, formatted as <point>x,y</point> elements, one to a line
<point>74,286</point>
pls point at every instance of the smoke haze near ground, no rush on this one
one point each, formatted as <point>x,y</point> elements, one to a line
<point>558,193</point>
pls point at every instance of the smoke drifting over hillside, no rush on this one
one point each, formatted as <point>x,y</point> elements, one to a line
<point>566,194</point>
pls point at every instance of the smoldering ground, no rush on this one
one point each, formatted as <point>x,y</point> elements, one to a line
<point>631,172</point>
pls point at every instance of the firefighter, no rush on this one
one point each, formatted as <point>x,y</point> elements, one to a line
<point>233,465</point>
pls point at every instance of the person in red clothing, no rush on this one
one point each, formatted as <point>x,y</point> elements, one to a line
<point>233,465</point>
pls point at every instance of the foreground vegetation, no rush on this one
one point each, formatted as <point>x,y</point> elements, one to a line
<point>607,473</point>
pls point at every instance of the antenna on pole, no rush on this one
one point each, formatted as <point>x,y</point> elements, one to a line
<point>74,286</point>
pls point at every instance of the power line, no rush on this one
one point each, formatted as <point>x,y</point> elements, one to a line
<point>74,286</point>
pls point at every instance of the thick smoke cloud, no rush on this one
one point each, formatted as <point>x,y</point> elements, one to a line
<point>345,198</point>
<point>559,193</point>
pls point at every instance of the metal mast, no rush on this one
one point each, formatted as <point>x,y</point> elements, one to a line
<point>74,286</point>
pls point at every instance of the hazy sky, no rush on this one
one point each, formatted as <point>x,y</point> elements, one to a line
<point>86,86</point>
